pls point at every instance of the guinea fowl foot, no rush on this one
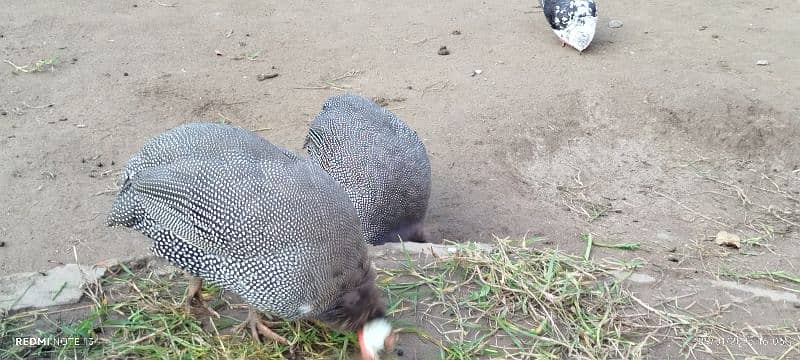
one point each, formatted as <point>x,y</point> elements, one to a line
<point>259,327</point>
<point>193,292</point>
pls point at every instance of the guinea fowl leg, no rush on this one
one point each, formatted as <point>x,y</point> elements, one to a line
<point>193,292</point>
<point>258,327</point>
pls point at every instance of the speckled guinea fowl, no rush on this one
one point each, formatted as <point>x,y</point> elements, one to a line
<point>380,162</point>
<point>229,207</point>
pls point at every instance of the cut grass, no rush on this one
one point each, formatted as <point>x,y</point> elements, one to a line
<point>515,302</point>
<point>587,237</point>
<point>252,56</point>
<point>775,276</point>
<point>38,66</point>
<point>334,82</point>
<point>140,316</point>
<point>510,301</point>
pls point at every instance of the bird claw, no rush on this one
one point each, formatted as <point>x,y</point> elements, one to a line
<point>266,331</point>
<point>193,292</point>
<point>188,307</point>
<point>259,327</point>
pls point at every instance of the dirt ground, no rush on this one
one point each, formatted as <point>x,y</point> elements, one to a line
<point>664,132</point>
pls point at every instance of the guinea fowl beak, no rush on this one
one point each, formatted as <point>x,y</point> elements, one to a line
<point>375,336</point>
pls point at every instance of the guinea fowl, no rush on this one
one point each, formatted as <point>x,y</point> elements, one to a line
<point>380,162</point>
<point>229,207</point>
<point>573,21</point>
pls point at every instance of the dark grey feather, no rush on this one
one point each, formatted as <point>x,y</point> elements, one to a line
<point>231,208</point>
<point>380,162</point>
<point>559,13</point>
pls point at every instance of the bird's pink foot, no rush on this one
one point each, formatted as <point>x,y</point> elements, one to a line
<point>194,292</point>
<point>259,327</point>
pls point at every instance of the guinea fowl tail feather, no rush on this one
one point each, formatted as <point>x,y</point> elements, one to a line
<point>313,141</point>
<point>125,211</point>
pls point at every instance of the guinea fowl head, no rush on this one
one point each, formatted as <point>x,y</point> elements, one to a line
<point>361,309</point>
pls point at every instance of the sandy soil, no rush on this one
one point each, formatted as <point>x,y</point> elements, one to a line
<point>664,132</point>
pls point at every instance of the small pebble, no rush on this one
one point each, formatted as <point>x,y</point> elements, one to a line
<point>262,77</point>
<point>615,24</point>
<point>443,51</point>
<point>762,62</point>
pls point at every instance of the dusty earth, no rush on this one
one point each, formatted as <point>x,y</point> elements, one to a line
<point>664,132</point>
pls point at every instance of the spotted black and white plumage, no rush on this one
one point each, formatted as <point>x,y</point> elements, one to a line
<point>573,21</point>
<point>231,208</point>
<point>380,162</point>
